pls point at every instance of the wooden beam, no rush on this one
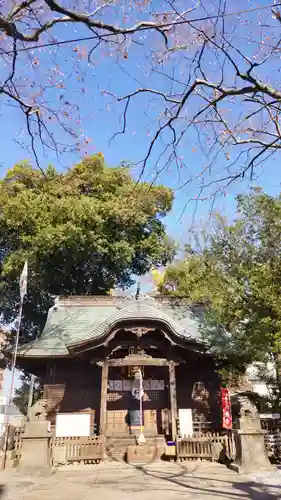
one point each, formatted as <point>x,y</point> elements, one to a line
<point>173,398</point>
<point>138,361</point>
<point>103,403</point>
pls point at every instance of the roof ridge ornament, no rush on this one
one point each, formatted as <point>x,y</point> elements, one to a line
<point>138,291</point>
<point>137,298</point>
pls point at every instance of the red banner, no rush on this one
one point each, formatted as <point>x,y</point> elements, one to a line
<point>226,409</point>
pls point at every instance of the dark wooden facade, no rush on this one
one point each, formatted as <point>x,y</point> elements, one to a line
<point>75,386</point>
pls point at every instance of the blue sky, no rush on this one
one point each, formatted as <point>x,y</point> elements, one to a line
<point>99,115</point>
<point>100,120</point>
<point>130,147</point>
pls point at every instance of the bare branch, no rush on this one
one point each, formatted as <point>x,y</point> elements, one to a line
<point>19,8</point>
<point>210,83</point>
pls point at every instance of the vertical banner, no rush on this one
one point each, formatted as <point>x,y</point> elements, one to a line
<point>23,281</point>
<point>226,409</point>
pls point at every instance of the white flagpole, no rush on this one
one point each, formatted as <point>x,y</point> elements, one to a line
<point>23,291</point>
<point>15,353</point>
<point>7,416</point>
<point>141,438</point>
<point>31,391</point>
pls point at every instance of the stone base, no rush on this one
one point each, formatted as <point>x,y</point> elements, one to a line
<point>251,456</point>
<point>12,464</point>
<point>11,460</point>
<point>117,447</point>
<point>242,469</point>
<point>59,455</point>
<point>35,458</point>
<point>37,428</point>
<point>38,471</point>
<point>11,454</point>
<point>143,454</point>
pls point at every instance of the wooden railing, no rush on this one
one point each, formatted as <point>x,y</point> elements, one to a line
<point>69,449</point>
<point>202,445</point>
<point>206,446</point>
<point>77,449</point>
<point>272,437</point>
<point>18,441</point>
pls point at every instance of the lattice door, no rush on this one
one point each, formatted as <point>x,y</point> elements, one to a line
<point>150,422</point>
<point>117,422</point>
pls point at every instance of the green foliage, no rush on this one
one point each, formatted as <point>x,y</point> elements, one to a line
<point>237,274</point>
<point>22,393</point>
<point>83,231</point>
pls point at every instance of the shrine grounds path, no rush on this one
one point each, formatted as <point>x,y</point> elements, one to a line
<point>157,481</point>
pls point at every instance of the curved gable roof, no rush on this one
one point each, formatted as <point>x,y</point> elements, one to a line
<point>74,321</point>
<point>139,310</point>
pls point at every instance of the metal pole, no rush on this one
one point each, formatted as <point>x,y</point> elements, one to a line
<point>15,353</point>
<point>141,438</point>
<point>31,388</point>
<point>141,419</point>
<point>31,391</point>
<point>138,291</point>
<point>6,414</point>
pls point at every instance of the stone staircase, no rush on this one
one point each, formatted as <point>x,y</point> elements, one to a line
<point>121,448</point>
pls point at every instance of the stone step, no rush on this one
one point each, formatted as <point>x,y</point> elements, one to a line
<point>118,448</point>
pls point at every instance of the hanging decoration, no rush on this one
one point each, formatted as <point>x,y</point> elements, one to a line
<point>137,391</point>
<point>133,370</point>
<point>226,409</point>
<point>200,394</point>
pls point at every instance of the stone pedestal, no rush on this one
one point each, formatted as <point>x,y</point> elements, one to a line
<point>35,453</point>
<point>145,452</point>
<point>251,455</point>
<point>141,454</point>
<point>11,459</point>
<point>59,455</point>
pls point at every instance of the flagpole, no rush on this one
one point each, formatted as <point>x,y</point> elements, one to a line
<point>31,391</point>
<point>141,438</point>
<point>23,291</point>
<point>6,414</point>
<point>15,352</point>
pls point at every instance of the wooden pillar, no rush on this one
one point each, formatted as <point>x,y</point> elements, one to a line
<point>103,403</point>
<point>173,398</point>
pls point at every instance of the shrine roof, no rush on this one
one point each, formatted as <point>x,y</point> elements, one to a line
<point>77,320</point>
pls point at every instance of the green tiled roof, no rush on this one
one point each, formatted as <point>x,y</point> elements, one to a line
<point>72,321</point>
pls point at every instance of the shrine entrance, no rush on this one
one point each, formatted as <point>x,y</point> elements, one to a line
<point>122,412</point>
<point>126,413</point>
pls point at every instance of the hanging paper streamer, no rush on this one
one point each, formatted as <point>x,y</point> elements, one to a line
<point>226,409</point>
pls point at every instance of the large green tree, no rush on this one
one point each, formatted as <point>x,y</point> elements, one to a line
<point>235,271</point>
<point>22,393</point>
<point>83,231</point>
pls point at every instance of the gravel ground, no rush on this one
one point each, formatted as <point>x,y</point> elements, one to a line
<point>158,481</point>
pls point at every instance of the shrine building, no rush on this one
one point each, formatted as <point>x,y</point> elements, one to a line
<point>90,351</point>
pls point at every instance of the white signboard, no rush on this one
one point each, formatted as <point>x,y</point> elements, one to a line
<point>73,424</point>
<point>186,424</point>
<point>128,385</point>
<point>118,385</point>
<point>157,385</point>
<point>272,416</point>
